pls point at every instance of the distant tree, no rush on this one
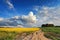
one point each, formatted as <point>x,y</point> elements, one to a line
<point>57,26</point>
<point>47,25</point>
<point>43,25</point>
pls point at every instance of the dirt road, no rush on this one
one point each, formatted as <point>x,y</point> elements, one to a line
<point>38,35</point>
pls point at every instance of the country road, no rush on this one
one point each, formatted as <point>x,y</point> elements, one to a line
<point>38,35</point>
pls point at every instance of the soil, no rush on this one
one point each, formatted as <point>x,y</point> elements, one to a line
<point>38,35</point>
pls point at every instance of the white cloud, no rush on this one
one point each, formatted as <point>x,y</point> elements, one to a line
<point>10,4</point>
<point>16,17</point>
<point>1,19</point>
<point>49,15</point>
<point>20,26</point>
<point>31,13</point>
<point>51,22</point>
<point>30,18</point>
<point>20,21</point>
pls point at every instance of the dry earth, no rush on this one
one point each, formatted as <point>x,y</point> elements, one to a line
<point>38,35</point>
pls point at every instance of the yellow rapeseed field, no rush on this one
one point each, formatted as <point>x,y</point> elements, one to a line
<point>19,29</point>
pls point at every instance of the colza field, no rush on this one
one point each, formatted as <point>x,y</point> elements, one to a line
<point>19,29</point>
<point>10,33</point>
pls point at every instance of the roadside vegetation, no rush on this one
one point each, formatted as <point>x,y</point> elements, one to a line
<point>52,32</point>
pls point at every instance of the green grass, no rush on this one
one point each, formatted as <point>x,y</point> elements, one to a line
<point>7,35</point>
<point>52,32</point>
<point>4,35</point>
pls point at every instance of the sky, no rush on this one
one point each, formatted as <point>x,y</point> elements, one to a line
<point>29,13</point>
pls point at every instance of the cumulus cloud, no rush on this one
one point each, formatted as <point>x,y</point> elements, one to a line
<point>10,4</point>
<point>20,21</point>
<point>30,18</point>
<point>48,15</point>
<point>1,19</point>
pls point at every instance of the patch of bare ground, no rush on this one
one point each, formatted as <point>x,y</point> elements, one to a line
<point>38,35</point>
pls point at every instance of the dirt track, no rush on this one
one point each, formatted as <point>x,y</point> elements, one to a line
<point>38,35</point>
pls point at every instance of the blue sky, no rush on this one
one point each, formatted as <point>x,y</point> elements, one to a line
<point>21,7</point>
<point>29,13</point>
